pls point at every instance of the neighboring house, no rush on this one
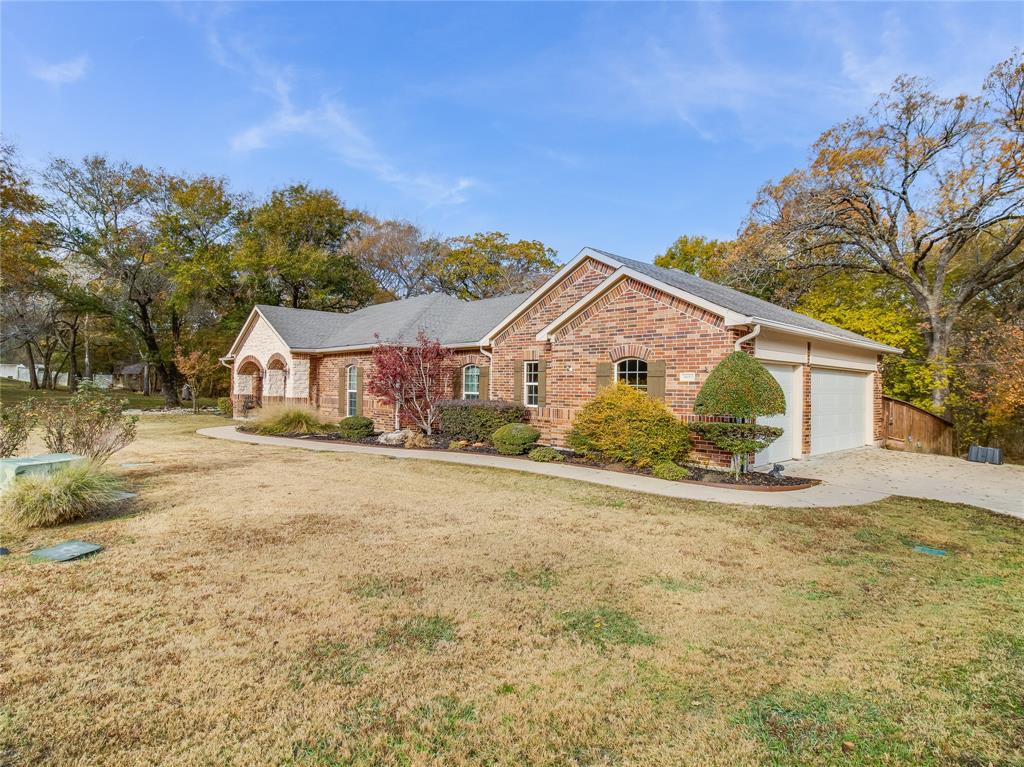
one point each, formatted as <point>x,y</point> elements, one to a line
<point>600,318</point>
<point>134,377</point>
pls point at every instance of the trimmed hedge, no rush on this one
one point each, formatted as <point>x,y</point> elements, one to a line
<point>355,427</point>
<point>477,420</point>
<point>515,438</point>
<point>624,425</point>
<point>546,454</point>
<point>740,387</point>
<point>225,407</point>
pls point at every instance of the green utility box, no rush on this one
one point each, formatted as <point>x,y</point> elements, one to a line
<point>10,468</point>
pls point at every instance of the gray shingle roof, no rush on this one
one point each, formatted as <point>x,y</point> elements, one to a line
<point>452,321</point>
<point>730,298</point>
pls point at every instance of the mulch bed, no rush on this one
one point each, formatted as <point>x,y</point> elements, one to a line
<point>699,475</point>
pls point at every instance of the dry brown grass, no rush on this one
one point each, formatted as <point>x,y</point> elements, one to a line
<point>262,605</point>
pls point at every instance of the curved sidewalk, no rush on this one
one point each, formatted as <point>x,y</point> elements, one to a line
<point>822,495</point>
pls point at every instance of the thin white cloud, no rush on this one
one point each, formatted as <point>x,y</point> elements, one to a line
<point>62,72</point>
<point>330,121</point>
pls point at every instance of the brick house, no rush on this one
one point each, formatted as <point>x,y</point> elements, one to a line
<point>600,318</point>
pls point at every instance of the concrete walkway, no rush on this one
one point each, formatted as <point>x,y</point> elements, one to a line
<point>835,491</point>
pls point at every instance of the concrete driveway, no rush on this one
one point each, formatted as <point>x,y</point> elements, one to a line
<point>870,471</point>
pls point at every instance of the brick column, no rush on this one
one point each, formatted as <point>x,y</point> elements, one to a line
<point>806,425</point>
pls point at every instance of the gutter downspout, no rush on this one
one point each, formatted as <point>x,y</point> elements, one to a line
<point>752,334</point>
<point>490,378</point>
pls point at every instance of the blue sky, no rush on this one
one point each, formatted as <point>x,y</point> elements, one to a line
<point>617,126</point>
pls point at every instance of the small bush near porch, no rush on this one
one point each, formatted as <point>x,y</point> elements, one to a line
<point>263,605</point>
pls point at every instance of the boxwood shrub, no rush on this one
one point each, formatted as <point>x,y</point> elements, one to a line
<point>623,425</point>
<point>515,438</point>
<point>355,427</point>
<point>546,454</point>
<point>477,420</point>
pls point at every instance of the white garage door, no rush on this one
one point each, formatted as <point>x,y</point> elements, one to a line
<point>839,410</point>
<point>782,448</point>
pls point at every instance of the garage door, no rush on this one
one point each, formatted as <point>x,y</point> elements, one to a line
<point>782,448</point>
<point>839,410</point>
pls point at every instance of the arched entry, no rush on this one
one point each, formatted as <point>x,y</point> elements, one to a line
<point>275,381</point>
<point>249,384</point>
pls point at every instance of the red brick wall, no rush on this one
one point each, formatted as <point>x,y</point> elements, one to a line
<point>327,371</point>
<point>632,319</point>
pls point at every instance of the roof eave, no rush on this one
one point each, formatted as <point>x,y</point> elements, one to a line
<point>864,343</point>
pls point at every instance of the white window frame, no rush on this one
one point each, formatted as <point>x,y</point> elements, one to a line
<point>622,372</point>
<point>531,387</point>
<point>466,394</point>
<point>351,390</point>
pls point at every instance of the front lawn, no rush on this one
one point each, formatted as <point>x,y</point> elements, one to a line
<point>261,605</point>
<point>12,392</point>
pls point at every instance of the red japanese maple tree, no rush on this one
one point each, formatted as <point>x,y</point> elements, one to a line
<point>412,378</point>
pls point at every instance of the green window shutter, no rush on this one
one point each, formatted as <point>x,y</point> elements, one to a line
<point>604,375</point>
<point>542,382</point>
<point>457,383</point>
<point>656,379</point>
<point>359,391</point>
<point>517,381</point>
<point>485,382</point>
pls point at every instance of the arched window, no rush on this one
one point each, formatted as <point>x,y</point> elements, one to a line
<point>352,390</point>
<point>632,372</point>
<point>471,382</point>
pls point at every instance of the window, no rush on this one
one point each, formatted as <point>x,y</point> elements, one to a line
<point>471,382</point>
<point>352,389</point>
<point>531,383</point>
<point>632,372</point>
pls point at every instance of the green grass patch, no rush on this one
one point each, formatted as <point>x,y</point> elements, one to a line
<point>798,729</point>
<point>373,735</point>
<point>605,626</point>
<point>421,632</point>
<point>541,578</point>
<point>328,662</point>
<point>675,584</point>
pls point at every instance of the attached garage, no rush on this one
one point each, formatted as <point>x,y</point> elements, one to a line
<point>787,446</point>
<point>840,410</point>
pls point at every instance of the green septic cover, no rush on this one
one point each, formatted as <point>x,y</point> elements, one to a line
<point>930,550</point>
<point>65,552</point>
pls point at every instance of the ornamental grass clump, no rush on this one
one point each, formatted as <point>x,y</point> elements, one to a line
<point>623,425</point>
<point>66,495</point>
<point>740,388</point>
<point>290,420</point>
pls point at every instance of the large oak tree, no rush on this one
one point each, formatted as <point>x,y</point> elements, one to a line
<point>925,189</point>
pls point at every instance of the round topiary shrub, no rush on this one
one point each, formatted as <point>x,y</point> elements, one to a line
<point>515,438</point>
<point>740,387</point>
<point>546,454</point>
<point>355,427</point>
<point>670,471</point>
<point>624,425</point>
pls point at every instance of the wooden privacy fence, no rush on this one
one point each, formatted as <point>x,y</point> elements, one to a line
<point>910,428</point>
